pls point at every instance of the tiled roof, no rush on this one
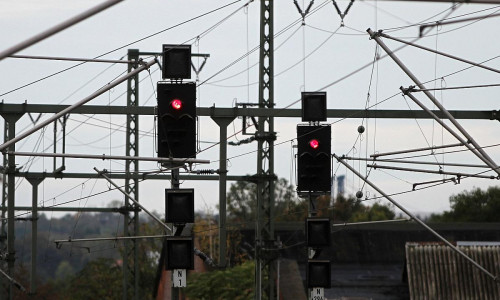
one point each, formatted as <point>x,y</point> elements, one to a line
<point>435,271</point>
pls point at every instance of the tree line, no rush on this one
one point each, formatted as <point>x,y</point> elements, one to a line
<point>94,270</point>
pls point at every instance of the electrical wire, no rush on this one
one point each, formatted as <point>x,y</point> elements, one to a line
<point>122,47</point>
<point>283,71</point>
<point>424,22</point>
<point>285,29</point>
<point>255,64</point>
<point>335,122</point>
<point>191,39</point>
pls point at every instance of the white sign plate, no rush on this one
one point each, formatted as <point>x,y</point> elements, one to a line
<point>317,294</point>
<point>179,278</point>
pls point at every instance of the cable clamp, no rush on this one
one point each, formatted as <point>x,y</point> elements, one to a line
<point>408,90</point>
<point>158,63</point>
<point>141,62</point>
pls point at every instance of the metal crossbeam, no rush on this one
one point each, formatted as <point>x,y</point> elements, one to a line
<point>6,108</point>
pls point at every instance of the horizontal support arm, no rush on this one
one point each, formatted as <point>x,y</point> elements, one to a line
<point>6,108</point>
<point>116,157</point>
<point>375,166</point>
<point>140,176</point>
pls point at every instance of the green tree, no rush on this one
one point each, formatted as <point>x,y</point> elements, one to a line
<point>242,205</point>
<point>64,270</point>
<point>99,279</point>
<point>472,206</point>
<point>232,283</point>
<point>242,199</point>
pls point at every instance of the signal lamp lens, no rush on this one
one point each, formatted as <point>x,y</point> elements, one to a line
<point>176,104</point>
<point>314,144</point>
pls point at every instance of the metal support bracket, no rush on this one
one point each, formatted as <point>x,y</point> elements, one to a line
<point>265,136</point>
<point>255,178</point>
<point>303,13</point>
<point>495,115</point>
<point>342,15</point>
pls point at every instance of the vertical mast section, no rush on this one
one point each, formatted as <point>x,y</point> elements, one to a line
<point>264,233</point>
<point>131,222</point>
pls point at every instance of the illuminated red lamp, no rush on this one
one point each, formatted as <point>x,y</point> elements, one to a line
<point>314,143</point>
<point>176,104</point>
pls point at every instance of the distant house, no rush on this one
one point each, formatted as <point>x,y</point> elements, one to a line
<point>435,271</point>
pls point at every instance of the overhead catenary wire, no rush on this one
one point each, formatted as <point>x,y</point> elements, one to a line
<point>480,153</point>
<point>213,27</point>
<point>286,28</point>
<point>336,81</point>
<point>79,103</point>
<point>441,172</point>
<point>453,7</point>
<point>420,222</point>
<point>376,155</point>
<point>413,190</point>
<point>124,46</point>
<point>57,28</point>
<point>422,27</point>
<point>478,65</point>
<point>255,64</point>
<point>458,87</point>
<point>474,148</point>
<point>400,161</point>
<point>287,68</point>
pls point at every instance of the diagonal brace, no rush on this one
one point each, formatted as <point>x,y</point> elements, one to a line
<point>486,157</point>
<point>420,222</point>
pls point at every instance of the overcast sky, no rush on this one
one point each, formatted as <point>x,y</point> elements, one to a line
<point>332,52</point>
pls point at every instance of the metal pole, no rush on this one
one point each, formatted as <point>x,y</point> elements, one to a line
<point>133,200</point>
<point>11,250</point>
<point>5,195</point>
<point>265,136</point>
<point>376,37</point>
<point>479,65</point>
<point>375,166</point>
<point>113,61</point>
<point>78,104</point>
<point>74,209</point>
<point>12,281</point>
<point>412,216</point>
<point>399,161</point>
<point>34,231</point>
<point>452,132</point>
<point>223,122</point>
<point>11,194</point>
<point>117,157</point>
<point>422,27</point>
<point>415,150</point>
<point>117,238</point>
<point>370,222</point>
<point>175,184</point>
<point>131,221</point>
<point>51,31</point>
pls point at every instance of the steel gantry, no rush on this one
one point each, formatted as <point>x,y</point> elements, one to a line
<point>12,112</point>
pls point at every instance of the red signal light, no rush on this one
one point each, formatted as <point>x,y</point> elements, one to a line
<point>176,104</point>
<point>314,143</point>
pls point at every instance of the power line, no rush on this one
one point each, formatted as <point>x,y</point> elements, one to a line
<point>121,47</point>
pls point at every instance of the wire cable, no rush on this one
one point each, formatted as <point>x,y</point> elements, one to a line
<point>121,47</point>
